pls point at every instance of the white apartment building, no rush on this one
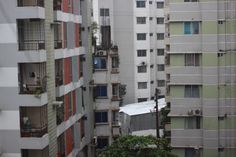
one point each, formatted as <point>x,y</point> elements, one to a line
<point>138,30</point>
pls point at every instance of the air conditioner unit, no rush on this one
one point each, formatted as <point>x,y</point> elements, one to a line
<point>190,112</point>
<point>198,112</point>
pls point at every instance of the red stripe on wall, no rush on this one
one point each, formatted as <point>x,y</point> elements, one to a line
<point>74,102</point>
<point>69,141</point>
<point>67,70</point>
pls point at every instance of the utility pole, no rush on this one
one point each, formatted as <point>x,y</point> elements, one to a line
<point>157,114</point>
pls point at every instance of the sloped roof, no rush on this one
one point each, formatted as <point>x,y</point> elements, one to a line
<point>142,107</point>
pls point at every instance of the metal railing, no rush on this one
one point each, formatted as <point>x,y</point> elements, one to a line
<point>31,45</point>
<point>27,3</point>
<point>31,131</point>
<point>58,44</point>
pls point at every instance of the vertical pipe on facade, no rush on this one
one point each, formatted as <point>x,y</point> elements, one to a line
<point>50,67</point>
<point>218,81</point>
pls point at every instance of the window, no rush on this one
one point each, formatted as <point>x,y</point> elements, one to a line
<point>160,5</point>
<point>160,36</point>
<point>150,2</point>
<point>160,52</point>
<point>115,117</point>
<point>151,34</point>
<point>193,123</point>
<point>150,18</point>
<point>140,4</point>
<point>151,50</point>
<point>104,12</point>
<point>141,20</point>
<point>160,20</point>
<point>142,99</point>
<point>100,63</point>
<point>192,91</point>
<point>191,27</point>
<point>101,90</point>
<point>142,69</point>
<point>102,142</point>
<point>142,85</point>
<point>115,89</point>
<point>101,117</point>
<point>141,53</point>
<point>141,36</point>
<point>192,59</point>
<point>115,62</point>
<point>160,67</point>
<point>161,83</point>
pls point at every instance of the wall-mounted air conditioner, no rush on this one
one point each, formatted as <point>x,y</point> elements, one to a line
<point>190,112</point>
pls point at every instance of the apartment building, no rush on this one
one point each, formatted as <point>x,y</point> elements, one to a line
<point>139,32</point>
<point>107,85</point>
<point>200,67</point>
<point>45,69</point>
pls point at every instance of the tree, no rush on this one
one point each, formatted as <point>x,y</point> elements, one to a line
<point>137,146</point>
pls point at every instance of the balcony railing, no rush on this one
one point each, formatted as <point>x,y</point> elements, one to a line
<point>31,45</point>
<point>58,44</point>
<point>30,131</point>
<point>27,3</point>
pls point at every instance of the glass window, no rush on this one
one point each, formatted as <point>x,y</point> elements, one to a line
<point>160,20</point>
<point>195,27</point>
<point>142,69</point>
<point>193,123</point>
<point>161,83</point>
<point>141,20</point>
<point>140,4</point>
<point>160,5</point>
<point>104,12</point>
<point>192,91</point>
<point>101,90</point>
<point>141,36</point>
<point>101,117</point>
<point>190,0</point>
<point>187,28</point>
<point>150,2</point>
<point>142,85</point>
<point>160,67</point>
<point>115,89</point>
<point>115,62</point>
<point>160,36</point>
<point>150,18</point>
<point>141,53</point>
<point>160,52</point>
<point>191,27</point>
<point>192,59</point>
<point>100,63</point>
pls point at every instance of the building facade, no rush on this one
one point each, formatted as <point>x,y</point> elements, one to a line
<point>107,85</point>
<point>200,67</point>
<point>45,73</point>
<point>139,32</point>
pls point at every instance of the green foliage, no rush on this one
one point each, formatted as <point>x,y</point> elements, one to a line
<point>137,146</point>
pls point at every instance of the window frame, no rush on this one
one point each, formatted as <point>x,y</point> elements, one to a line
<point>99,65</point>
<point>142,69</point>
<point>189,91</point>
<point>102,118</point>
<point>100,95</point>
<point>141,36</point>
<point>141,53</point>
<point>160,65</point>
<point>141,20</point>
<point>140,4</point>
<point>160,20</point>
<point>191,27</point>
<point>162,52</point>
<point>142,85</point>
<point>159,5</point>
<point>160,36</point>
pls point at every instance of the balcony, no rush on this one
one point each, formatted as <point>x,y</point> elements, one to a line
<point>29,3</point>
<point>61,146</point>
<point>35,152</point>
<point>57,4</point>
<point>32,78</point>
<point>60,111</point>
<point>31,34</point>
<point>33,121</point>
<point>59,72</point>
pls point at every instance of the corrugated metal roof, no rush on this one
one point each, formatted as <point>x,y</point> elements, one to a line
<point>143,107</point>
